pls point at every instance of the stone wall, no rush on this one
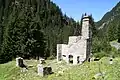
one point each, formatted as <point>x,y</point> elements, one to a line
<point>42,70</point>
<point>59,52</point>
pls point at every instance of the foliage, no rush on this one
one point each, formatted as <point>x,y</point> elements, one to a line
<point>100,55</point>
<point>108,30</point>
<point>32,28</point>
<point>100,44</point>
<point>118,34</point>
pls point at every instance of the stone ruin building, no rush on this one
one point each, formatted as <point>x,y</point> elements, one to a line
<point>78,48</point>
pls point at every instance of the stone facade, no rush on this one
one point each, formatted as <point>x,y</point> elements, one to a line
<point>78,47</point>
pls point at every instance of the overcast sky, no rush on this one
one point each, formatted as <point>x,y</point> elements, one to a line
<point>75,8</point>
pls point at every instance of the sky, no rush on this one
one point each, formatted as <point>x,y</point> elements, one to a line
<point>75,8</point>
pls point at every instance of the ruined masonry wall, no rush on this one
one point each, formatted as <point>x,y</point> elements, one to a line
<point>78,46</point>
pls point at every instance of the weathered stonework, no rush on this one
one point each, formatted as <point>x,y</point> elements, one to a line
<point>42,70</point>
<point>78,47</point>
<point>19,61</point>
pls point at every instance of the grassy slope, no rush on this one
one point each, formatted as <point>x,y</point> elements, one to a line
<point>85,71</point>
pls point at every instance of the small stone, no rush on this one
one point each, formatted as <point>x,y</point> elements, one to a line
<point>42,61</point>
<point>111,61</point>
<point>98,75</point>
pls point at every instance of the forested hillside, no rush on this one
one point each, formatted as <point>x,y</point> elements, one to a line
<point>32,28</point>
<point>108,30</point>
<point>110,23</point>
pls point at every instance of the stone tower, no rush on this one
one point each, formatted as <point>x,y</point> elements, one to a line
<point>78,47</point>
<point>86,26</point>
<point>87,33</point>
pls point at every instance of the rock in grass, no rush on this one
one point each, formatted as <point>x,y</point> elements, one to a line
<point>111,61</point>
<point>20,63</point>
<point>42,71</point>
<point>96,76</point>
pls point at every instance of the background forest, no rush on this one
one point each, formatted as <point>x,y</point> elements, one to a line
<point>32,28</point>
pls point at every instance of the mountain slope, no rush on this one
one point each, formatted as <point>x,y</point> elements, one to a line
<point>108,29</point>
<point>108,25</point>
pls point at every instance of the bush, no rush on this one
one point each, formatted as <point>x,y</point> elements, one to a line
<point>100,54</point>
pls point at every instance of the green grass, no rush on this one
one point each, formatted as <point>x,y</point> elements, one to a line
<point>85,71</point>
